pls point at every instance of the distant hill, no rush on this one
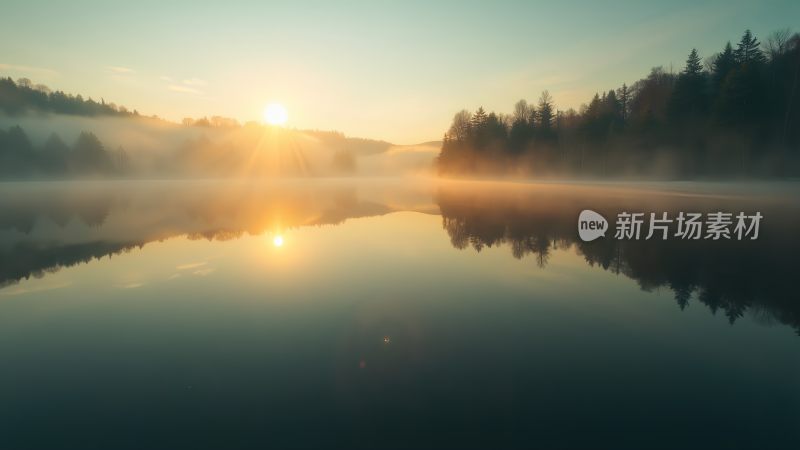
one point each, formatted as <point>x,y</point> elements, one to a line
<point>23,97</point>
<point>46,134</point>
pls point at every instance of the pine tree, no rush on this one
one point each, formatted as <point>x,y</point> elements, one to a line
<point>613,108</point>
<point>479,118</point>
<point>622,95</point>
<point>723,63</point>
<point>479,129</point>
<point>693,65</point>
<point>748,51</point>
<point>689,95</point>
<point>545,111</point>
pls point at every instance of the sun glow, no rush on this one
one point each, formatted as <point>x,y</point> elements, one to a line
<point>277,241</point>
<point>276,114</point>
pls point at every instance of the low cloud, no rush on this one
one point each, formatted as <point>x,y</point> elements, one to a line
<point>203,272</point>
<point>28,70</point>
<point>183,89</point>
<point>28,290</point>
<point>185,86</point>
<point>119,70</point>
<point>194,82</point>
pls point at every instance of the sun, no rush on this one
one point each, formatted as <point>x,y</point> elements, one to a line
<point>276,114</point>
<point>277,241</point>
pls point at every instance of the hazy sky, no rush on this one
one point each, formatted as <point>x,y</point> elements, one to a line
<point>389,70</point>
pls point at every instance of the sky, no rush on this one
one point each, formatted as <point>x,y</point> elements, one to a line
<point>396,71</point>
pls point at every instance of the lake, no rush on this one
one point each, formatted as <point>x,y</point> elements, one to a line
<point>392,313</point>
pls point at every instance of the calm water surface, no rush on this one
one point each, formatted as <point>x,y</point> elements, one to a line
<point>391,314</point>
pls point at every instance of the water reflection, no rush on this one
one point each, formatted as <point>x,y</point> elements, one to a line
<point>727,275</point>
<point>47,226</point>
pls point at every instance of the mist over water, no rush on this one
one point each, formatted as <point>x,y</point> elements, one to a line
<point>58,224</point>
<point>52,146</point>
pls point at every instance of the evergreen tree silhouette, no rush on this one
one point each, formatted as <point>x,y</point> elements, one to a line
<point>748,51</point>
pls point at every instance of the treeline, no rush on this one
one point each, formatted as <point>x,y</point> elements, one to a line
<point>24,96</point>
<point>734,114</point>
<point>87,156</point>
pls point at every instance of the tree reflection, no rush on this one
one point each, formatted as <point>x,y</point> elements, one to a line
<point>43,230</point>
<point>733,277</point>
<point>46,227</point>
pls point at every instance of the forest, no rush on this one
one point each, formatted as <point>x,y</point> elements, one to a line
<point>25,96</point>
<point>734,114</point>
<point>87,156</point>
